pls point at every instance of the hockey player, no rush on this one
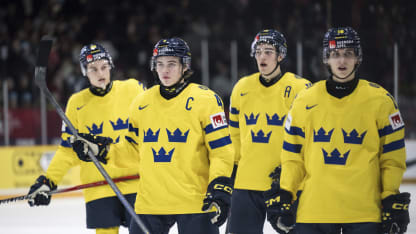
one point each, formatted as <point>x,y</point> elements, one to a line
<point>345,138</point>
<point>259,106</point>
<point>179,133</point>
<point>101,109</point>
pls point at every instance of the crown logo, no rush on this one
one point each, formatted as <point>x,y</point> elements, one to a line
<point>252,120</point>
<point>133,129</point>
<point>161,156</point>
<point>261,137</point>
<point>335,157</point>
<point>149,136</point>
<point>353,137</point>
<point>95,130</point>
<point>177,136</point>
<point>322,136</point>
<point>274,120</point>
<point>120,124</point>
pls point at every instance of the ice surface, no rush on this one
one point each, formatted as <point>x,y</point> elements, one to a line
<point>67,216</point>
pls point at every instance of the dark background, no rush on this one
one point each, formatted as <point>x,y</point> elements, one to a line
<point>129,29</point>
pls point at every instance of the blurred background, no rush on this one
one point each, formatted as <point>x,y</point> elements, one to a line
<point>219,34</point>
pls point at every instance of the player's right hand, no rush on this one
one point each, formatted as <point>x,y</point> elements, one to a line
<point>38,193</point>
<point>98,145</point>
<point>279,209</point>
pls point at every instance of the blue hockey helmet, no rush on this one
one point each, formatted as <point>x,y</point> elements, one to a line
<point>93,52</point>
<point>172,47</point>
<point>272,37</point>
<point>339,38</point>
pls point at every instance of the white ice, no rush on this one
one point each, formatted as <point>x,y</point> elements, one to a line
<point>67,215</point>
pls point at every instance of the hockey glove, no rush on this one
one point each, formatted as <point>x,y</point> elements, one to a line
<point>219,195</point>
<point>38,193</point>
<point>395,214</point>
<point>279,209</point>
<point>98,145</point>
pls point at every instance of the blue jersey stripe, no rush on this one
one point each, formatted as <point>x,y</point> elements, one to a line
<point>295,131</point>
<point>234,111</point>
<point>234,124</point>
<point>387,130</point>
<point>209,128</point>
<point>395,145</point>
<point>294,148</point>
<point>220,142</point>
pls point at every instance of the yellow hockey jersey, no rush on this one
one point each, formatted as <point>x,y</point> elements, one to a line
<point>106,116</point>
<point>350,153</point>
<point>257,115</point>
<point>181,144</point>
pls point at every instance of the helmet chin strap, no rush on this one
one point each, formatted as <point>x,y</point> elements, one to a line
<point>275,68</point>
<point>174,90</point>
<point>341,78</point>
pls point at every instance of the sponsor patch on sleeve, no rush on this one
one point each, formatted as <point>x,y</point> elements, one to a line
<point>288,122</point>
<point>218,120</point>
<point>396,120</point>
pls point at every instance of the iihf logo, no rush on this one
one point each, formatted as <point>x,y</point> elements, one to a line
<point>396,120</point>
<point>218,120</point>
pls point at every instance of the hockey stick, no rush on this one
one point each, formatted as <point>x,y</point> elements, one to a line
<point>74,188</point>
<point>40,80</point>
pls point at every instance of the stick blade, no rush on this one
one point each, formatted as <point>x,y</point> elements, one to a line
<point>42,58</point>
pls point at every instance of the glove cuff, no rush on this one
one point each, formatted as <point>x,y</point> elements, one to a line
<point>402,198</point>
<point>221,183</point>
<point>44,180</point>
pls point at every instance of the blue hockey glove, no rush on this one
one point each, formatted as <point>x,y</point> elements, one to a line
<point>219,195</point>
<point>279,209</point>
<point>38,193</point>
<point>395,214</point>
<point>98,145</point>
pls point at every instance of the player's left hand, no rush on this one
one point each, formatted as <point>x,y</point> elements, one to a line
<point>38,193</point>
<point>395,214</point>
<point>219,195</point>
<point>279,209</point>
<point>98,145</point>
